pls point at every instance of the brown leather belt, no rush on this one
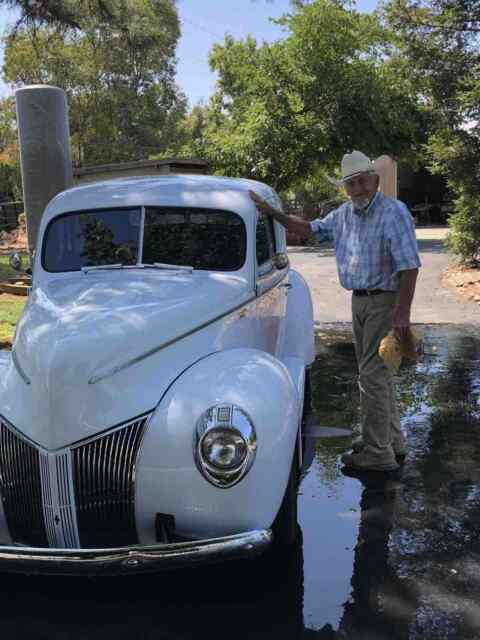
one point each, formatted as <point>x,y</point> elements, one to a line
<point>369,292</point>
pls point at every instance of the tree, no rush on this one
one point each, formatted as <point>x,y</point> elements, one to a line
<point>10,182</point>
<point>124,103</point>
<point>283,109</point>
<point>440,54</point>
<point>66,13</point>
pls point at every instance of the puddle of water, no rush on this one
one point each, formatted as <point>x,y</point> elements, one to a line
<point>398,557</point>
<point>316,431</point>
<point>389,557</point>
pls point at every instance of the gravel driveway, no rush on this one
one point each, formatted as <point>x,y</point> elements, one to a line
<point>433,303</point>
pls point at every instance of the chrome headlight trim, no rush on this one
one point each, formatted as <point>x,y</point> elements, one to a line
<point>224,419</point>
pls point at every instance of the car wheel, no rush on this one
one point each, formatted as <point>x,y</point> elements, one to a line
<point>285,526</point>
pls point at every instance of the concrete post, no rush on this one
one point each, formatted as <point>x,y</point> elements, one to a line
<point>43,131</point>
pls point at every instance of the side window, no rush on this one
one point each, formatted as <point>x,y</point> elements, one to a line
<point>265,240</point>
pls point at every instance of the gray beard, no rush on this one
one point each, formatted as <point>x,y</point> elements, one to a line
<point>360,203</point>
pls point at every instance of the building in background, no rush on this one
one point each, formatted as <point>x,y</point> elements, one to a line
<point>425,194</point>
<point>161,167</point>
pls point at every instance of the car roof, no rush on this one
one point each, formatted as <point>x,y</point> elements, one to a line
<point>185,190</point>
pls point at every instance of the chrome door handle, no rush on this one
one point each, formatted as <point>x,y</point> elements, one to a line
<point>285,286</point>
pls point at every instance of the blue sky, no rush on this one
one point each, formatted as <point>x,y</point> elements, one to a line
<point>205,22</point>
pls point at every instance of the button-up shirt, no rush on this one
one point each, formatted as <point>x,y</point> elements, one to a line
<point>372,246</point>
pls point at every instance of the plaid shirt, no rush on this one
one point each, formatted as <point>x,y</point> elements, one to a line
<point>371,247</point>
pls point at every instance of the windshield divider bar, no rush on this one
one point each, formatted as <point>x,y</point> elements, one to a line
<point>140,239</point>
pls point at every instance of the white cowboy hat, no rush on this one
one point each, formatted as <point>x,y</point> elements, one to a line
<point>352,165</point>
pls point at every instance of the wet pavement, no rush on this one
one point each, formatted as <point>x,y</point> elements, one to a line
<point>387,556</point>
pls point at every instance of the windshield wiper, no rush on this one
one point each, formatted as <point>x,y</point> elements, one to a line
<point>155,265</point>
<point>169,267</point>
<point>102,267</point>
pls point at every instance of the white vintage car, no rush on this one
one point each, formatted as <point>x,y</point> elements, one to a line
<point>150,409</point>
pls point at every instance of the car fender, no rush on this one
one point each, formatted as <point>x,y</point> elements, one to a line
<point>299,341</point>
<point>168,480</point>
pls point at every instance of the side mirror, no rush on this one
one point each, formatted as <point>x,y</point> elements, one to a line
<point>281,261</point>
<point>15,261</point>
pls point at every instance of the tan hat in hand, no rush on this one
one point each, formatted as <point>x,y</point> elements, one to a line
<point>393,351</point>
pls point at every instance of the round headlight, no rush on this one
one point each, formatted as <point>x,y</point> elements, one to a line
<point>225,445</point>
<point>224,448</point>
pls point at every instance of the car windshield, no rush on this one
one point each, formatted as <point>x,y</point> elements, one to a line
<point>201,238</point>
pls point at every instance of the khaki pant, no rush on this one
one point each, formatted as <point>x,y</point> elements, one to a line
<point>372,320</point>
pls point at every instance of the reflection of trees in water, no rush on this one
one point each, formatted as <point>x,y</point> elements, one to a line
<point>458,386</point>
<point>436,541</point>
<point>327,452</point>
<point>334,385</point>
<point>335,402</point>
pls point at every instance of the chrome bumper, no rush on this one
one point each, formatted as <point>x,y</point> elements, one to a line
<point>133,559</point>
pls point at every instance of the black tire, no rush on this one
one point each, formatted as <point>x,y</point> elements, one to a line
<point>285,526</point>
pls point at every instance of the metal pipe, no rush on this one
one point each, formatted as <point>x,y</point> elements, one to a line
<point>43,131</point>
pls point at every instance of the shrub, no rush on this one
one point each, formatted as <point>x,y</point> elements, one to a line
<point>464,237</point>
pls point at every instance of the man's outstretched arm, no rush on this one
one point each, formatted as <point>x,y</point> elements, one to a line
<point>294,224</point>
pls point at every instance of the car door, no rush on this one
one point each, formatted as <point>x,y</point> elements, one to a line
<point>271,288</point>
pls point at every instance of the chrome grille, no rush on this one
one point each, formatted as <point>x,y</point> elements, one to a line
<point>58,500</point>
<point>104,484</point>
<point>20,488</point>
<point>67,517</point>
<point>79,497</point>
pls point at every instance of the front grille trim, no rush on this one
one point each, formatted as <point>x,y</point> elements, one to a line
<point>104,485</point>
<point>21,488</point>
<point>83,494</point>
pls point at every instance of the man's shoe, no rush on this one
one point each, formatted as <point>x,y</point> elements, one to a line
<point>359,462</point>
<point>400,451</point>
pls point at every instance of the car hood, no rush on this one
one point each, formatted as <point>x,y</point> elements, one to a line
<point>61,387</point>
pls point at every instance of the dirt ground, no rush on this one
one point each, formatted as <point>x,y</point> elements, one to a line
<point>460,279</point>
<point>14,240</point>
<point>463,280</point>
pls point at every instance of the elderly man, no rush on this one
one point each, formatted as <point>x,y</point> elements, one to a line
<point>377,259</point>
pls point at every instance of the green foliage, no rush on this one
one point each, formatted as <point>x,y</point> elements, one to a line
<point>190,133</point>
<point>10,180</point>
<point>464,236</point>
<point>73,14</point>
<point>438,47</point>
<point>281,110</point>
<point>119,78</point>
<point>314,196</point>
<point>8,132</point>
